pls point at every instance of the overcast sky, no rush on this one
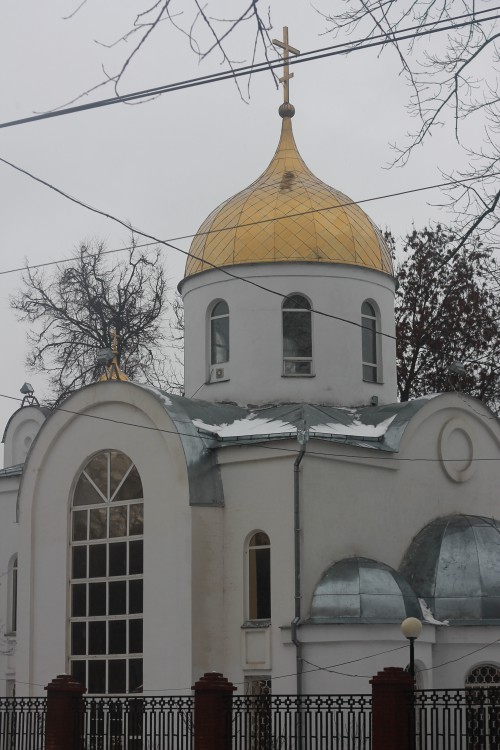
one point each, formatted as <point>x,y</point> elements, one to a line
<point>165,164</point>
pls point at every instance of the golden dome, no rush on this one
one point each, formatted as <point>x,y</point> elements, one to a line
<point>288,214</point>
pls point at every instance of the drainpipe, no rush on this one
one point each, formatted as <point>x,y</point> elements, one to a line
<point>302,437</point>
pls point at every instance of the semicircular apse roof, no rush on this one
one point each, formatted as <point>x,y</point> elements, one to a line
<point>454,564</point>
<point>361,590</point>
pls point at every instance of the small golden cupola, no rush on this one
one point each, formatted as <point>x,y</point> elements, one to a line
<point>288,215</point>
<point>112,369</point>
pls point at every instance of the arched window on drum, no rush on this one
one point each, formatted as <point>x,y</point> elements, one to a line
<point>219,333</point>
<point>297,336</point>
<point>369,342</point>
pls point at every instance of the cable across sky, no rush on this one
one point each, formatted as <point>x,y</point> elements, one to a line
<point>379,40</point>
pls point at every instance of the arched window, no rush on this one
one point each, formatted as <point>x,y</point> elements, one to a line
<point>482,711</point>
<point>219,334</point>
<point>12,614</point>
<point>297,336</point>
<point>259,577</point>
<point>369,342</point>
<point>107,523</point>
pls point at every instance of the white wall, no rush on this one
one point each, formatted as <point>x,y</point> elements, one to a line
<point>255,368</point>
<point>64,446</point>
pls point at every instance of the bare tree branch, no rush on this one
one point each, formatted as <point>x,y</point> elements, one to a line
<point>72,315</point>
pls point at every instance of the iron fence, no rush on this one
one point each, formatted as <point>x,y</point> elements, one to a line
<point>22,723</point>
<point>467,719</point>
<point>312,722</point>
<point>135,723</point>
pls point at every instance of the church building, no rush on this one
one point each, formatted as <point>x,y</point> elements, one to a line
<point>279,521</point>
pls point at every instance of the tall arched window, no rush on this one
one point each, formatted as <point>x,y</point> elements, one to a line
<point>259,577</point>
<point>297,336</point>
<point>12,613</point>
<point>369,342</point>
<point>107,523</point>
<point>219,334</point>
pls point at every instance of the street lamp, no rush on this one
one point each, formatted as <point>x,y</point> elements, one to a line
<point>411,629</point>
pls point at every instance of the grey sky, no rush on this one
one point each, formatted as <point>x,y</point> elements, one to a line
<point>165,164</point>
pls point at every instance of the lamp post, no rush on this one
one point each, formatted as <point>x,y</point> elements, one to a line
<point>411,629</point>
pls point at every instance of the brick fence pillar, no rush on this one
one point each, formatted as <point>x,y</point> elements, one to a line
<point>64,712</point>
<point>391,712</point>
<point>212,712</point>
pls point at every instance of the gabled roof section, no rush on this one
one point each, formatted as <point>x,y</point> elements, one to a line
<point>203,425</point>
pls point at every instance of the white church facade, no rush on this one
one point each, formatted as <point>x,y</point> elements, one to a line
<point>278,522</point>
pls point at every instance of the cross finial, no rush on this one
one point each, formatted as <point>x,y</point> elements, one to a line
<point>287,49</point>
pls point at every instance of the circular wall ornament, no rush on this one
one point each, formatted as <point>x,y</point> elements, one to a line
<point>456,451</point>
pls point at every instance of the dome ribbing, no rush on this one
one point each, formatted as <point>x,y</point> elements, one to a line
<point>288,214</point>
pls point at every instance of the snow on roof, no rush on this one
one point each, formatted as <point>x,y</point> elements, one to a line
<point>247,427</point>
<point>160,394</point>
<point>355,429</point>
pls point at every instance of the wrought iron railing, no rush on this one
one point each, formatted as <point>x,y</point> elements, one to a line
<point>466,719</point>
<point>22,723</point>
<point>312,722</point>
<point>135,723</point>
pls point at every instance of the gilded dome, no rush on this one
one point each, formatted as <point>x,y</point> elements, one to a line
<point>288,214</point>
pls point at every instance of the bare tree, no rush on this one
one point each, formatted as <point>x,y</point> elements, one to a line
<point>205,32</point>
<point>73,313</point>
<point>447,312</point>
<point>449,54</point>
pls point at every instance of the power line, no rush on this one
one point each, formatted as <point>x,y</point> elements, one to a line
<point>384,196</point>
<point>317,54</point>
<point>222,269</point>
<point>269,438</point>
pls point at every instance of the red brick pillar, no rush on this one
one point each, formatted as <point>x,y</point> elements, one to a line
<point>64,712</point>
<point>391,710</point>
<point>212,712</point>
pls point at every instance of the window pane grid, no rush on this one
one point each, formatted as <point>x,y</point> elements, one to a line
<point>106,630</point>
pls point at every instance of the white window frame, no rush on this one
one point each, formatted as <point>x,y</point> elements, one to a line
<point>371,323</point>
<point>107,502</point>
<point>12,596</point>
<point>250,583</point>
<point>288,359</point>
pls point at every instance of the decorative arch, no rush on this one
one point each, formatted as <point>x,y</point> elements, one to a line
<point>106,576</point>
<point>258,554</point>
<point>297,336</point>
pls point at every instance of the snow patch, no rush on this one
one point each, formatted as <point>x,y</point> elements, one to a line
<point>248,426</point>
<point>428,616</point>
<point>355,429</point>
<point>163,398</point>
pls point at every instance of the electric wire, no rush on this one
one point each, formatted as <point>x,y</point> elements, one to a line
<point>378,40</point>
<point>168,244</point>
<point>296,214</point>
<point>269,438</point>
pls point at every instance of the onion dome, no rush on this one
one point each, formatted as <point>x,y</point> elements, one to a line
<point>453,564</point>
<point>288,214</point>
<point>357,589</point>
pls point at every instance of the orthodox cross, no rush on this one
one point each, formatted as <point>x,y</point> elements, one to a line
<point>287,49</point>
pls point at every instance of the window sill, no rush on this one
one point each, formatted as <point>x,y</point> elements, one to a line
<point>256,624</point>
<point>301,375</point>
<point>373,382</point>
